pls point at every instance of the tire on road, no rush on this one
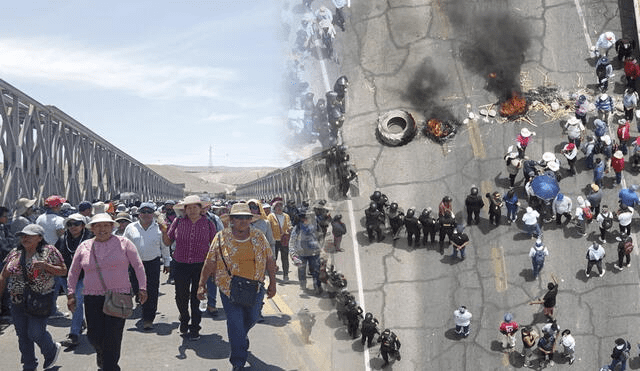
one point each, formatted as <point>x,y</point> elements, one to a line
<point>396,128</point>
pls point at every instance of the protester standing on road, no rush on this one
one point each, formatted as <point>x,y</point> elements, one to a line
<point>605,42</point>
<point>549,299</point>
<point>588,148</point>
<point>631,72</point>
<point>33,264</point>
<point>193,234</point>
<point>462,319</point>
<point>562,206</point>
<point>495,207</point>
<point>604,105</point>
<point>583,215</point>
<point>605,222</point>
<point>243,251</point>
<point>281,229</point>
<point>546,346</point>
<point>570,152</point>
<point>511,202</point>
<point>146,235</point>
<point>625,247</point>
<point>625,215</point>
<point>105,261</point>
<point>568,346</point>
<point>339,229</point>
<point>624,126</point>
<point>67,245</point>
<point>594,198</point>
<point>598,172</point>
<point>537,254</point>
<point>530,220</point>
<point>508,328</point>
<point>582,107</point>
<point>595,254</point>
<point>529,337</point>
<point>304,247</point>
<point>617,163</point>
<point>575,131</point>
<point>523,140</point>
<point>620,354</point>
<point>514,164</point>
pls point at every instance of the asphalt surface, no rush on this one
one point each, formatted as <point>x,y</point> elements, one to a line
<point>426,58</point>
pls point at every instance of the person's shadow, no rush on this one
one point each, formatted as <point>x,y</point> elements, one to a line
<point>208,346</point>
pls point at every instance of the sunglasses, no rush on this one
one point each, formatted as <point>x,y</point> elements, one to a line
<point>146,211</point>
<point>254,207</point>
<point>74,224</point>
<point>242,217</point>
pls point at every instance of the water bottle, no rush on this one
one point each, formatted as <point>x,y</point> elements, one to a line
<point>203,303</point>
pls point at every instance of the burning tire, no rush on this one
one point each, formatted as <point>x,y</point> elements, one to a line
<point>396,128</point>
<point>440,131</point>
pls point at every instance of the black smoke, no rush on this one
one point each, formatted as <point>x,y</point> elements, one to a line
<point>492,44</point>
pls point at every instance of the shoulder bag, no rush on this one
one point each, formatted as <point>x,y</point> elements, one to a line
<point>116,304</point>
<point>35,303</point>
<point>284,237</point>
<point>244,291</point>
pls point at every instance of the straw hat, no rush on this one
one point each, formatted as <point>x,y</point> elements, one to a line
<point>99,208</point>
<point>101,218</point>
<point>191,200</point>
<point>239,209</point>
<point>526,132</point>
<point>123,216</point>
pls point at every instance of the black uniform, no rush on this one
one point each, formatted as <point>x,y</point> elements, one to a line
<point>389,346</point>
<point>429,226</point>
<point>495,207</point>
<point>396,220</point>
<point>624,48</point>
<point>369,329</point>
<point>412,224</point>
<point>354,313</point>
<point>373,219</point>
<point>474,204</point>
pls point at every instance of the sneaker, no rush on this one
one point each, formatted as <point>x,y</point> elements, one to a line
<point>285,278</point>
<point>602,274</point>
<point>83,327</point>
<point>551,363</point>
<point>628,265</point>
<point>71,341</point>
<point>617,267</point>
<point>50,363</point>
<point>193,335</point>
<point>571,360</point>
<point>303,286</point>
<point>147,325</point>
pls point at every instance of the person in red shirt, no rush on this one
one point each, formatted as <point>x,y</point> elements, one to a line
<point>623,134</point>
<point>508,328</point>
<point>631,71</point>
<point>617,163</point>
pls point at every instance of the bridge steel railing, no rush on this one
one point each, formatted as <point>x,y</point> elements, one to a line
<point>305,180</point>
<point>47,152</point>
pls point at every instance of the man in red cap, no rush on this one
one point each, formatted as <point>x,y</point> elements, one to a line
<point>51,220</point>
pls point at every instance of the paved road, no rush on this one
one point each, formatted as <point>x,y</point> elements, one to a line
<point>427,56</point>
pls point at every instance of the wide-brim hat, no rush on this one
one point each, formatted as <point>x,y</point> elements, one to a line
<point>525,132</point>
<point>618,154</point>
<point>101,218</point>
<point>595,187</point>
<point>123,216</point>
<point>76,217</point>
<point>24,204</point>
<point>240,209</point>
<point>606,139</point>
<point>98,208</point>
<point>548,157</point>
<point>31,230</point>
<point>553,166</point>
<point>191,200</point>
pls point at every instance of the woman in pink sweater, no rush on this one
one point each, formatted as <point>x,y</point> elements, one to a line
<point>114,254</point>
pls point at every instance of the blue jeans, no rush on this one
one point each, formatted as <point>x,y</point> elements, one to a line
<point>314,266</point>
<point>614,362</point>
<point>59,282</point>
<point>589,160</point>
<point>239,321</point>
<point>78,314</point>
<point>533,229</point>
<point>618,177</point>
<point>212,291</point>
<point>455,253</point>
<point>31,330</point>
<point>512,212</point>
<point>536,268</point>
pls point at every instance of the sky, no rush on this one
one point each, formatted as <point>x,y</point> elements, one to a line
<point>164,81</point>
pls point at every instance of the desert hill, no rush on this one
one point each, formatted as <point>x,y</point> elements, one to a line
<point>216,179</point>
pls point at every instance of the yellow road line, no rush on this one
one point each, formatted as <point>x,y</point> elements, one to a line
<point>320,361</point>
<point>499,268</point>
<point>476,141</point>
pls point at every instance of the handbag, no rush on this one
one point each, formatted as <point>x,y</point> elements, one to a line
<point>116,304</point>
<point>35,303</point>
<point>284,237</point>
<point>244,291</point>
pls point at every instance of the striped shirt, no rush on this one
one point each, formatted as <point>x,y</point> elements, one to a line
<point>192,239</point>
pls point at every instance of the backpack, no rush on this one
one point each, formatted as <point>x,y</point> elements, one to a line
<point>628,247</point>
<point>607,223</point>
<point>538,258</point>
<point>587,214</point>
<point>601,71</point>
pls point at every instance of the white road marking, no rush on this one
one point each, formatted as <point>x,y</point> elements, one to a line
<point>584,24</point>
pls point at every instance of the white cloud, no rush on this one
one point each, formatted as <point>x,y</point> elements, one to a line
<point>61,61</point>
<point>221,117</point>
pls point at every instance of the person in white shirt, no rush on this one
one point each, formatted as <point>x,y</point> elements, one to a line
<point>147,236</point>
<point>595,254</point>
<point>625,215</point>
<point>530,219</point>
<point>462,319</point>
<point>569,346</point>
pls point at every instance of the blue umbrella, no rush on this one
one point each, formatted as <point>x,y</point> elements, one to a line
<point>545,187</point>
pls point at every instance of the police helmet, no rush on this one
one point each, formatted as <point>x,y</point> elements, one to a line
<point>410,213</point>
<point>372,205</point>
<point>474,191</point>
<point>376,195</point>
<point>394,206</point>
<point>342,81</point>
<point>368,316</point>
